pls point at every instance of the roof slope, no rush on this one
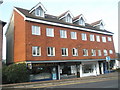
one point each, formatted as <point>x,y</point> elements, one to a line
<point>55,19</point>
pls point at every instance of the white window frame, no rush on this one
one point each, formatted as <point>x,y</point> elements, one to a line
<point>68,18</point>
<point>37,50</point>
<point>99,53</point>
<point>51,52</point>
<point>109,39</point>
<point>98,38</point>
<point>103,39</point>
<point>35,30</point>
<point>65,51</point>
<point>81,22</point>
<point>105,52</point>
<point>110,51</point>
<point>75,52</point>
<point>92,38</point>
<point>84,36</point>
<point>50,32</point>
<point>73,35</point>
<point>39,12</point>
<point>93,52</point>
<point>85,52</point>
<point>63,34</point>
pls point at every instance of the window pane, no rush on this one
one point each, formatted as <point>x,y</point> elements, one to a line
<point>84,37</point>
<point>50,32</point>
<point>98,38</point>
<point>104,39</point>
<point>36,51</point>
<point>92,38</point>
<point>35,30</point>
<point>63,34</point>
<point>73,35</point>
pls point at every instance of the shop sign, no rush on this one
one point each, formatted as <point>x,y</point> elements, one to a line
<point>44,64</point>
<point>107,58</point>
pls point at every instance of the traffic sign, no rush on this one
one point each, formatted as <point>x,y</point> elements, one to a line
<point>107,58</point>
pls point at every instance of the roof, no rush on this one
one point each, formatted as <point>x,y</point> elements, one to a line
<point>77,17</point>
<point>95,23</point>
<point>55,19</point>
<point>3,23</point>
<point>36,6</point>
<point>65,13</point>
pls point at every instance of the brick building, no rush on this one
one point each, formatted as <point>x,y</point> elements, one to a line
<point>56,47</point>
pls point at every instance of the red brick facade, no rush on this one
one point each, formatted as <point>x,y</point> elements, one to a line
<point>24,40</point>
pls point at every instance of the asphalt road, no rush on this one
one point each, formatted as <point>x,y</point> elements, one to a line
<point>98,84</point>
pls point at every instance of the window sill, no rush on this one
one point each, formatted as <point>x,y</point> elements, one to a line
<point>36,55</point>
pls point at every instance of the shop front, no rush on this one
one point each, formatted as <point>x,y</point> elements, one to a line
<point>89,69</point>
<point>43,71</point>
<point>69,70</point>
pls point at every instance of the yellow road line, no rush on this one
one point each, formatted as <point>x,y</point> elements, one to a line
<point>71,83</point>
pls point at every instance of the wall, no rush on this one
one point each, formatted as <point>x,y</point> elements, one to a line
<point>43,41</point>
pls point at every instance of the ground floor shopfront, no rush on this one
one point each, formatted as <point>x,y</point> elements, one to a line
<point>54,70</point>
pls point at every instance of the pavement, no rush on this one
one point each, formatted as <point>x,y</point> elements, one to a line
<point>51,83</point>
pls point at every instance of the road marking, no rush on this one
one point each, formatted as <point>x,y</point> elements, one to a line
<point>73,83</point>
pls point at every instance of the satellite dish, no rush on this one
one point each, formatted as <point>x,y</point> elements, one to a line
<point>1,1</point>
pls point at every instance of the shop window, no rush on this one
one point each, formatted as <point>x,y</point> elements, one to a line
<point>88,68</point>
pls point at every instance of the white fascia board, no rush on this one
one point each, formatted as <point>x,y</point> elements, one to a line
<point>40,4</point>
<point>66,26</point>
<point>20,13</point>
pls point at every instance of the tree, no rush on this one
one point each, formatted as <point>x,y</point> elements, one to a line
<point>15,73</point>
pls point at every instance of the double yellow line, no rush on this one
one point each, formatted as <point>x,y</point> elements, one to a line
<point>60,84</point>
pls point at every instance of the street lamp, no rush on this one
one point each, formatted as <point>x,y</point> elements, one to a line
<point>1,1</point>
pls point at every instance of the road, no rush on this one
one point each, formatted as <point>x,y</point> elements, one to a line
<point>95,84</point>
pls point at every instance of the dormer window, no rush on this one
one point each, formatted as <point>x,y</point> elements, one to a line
<point>98,24</point>
<point>39,12</point>
<point>68,18</point>
<point>101,26</point>
<point>81,22</point>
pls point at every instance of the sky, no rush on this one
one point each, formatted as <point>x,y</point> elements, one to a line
<point>93,10</point>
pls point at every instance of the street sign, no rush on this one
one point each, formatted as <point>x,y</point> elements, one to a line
<point>107,58</point>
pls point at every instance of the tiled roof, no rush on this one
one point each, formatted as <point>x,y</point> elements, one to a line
<point>77,17</point>
<point>55,19</point>
<point>95,23</point>
<point>63,14</point>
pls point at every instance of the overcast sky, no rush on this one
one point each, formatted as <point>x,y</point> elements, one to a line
<point>93,10</point>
